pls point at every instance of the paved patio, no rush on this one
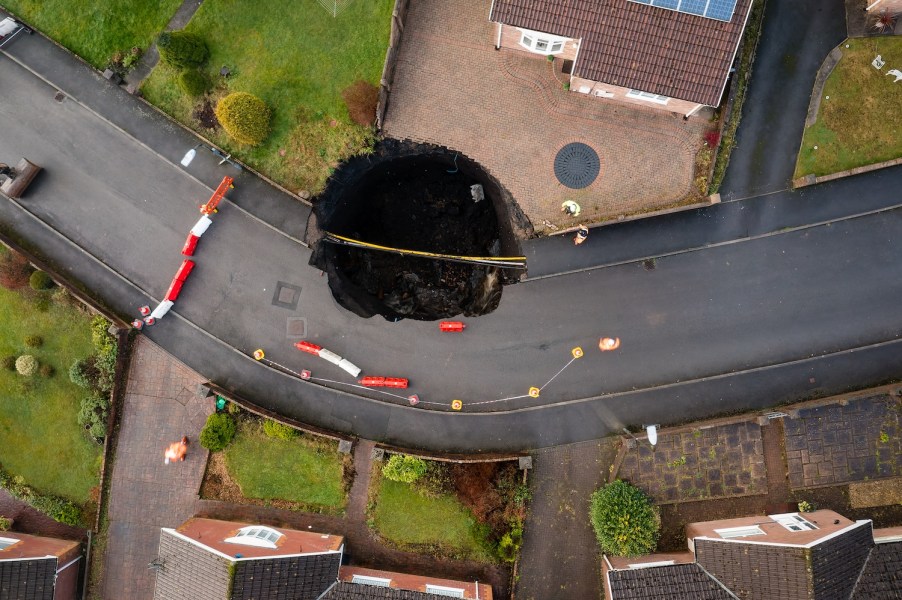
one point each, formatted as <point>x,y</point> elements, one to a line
<point>160,406</point>
<point>835,444</point>
<point>508,111</point>
<point>716,462</point>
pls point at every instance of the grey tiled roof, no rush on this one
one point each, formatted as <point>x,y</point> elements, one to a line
<point>27,579</point>
<point>827,571</point>
<point>344,590</point>
<point>292,578</point>
<point>637,46</point>
<point>190,571</point>
<point>672,582</point>
<point>882,576</point>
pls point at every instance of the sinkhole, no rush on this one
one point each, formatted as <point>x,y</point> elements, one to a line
<point>422,198</point>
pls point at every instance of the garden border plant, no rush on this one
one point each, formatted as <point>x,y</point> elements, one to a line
<point>625,521</point>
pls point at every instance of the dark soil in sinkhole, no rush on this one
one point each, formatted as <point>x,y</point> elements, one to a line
<point>416,202</point>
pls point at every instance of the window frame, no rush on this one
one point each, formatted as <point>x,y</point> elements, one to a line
<point>6,542</point>
<point>648,96</point>
<point>443,590</point>
<point>736,532</point>
<point>790,520</point>
<point>370,580</point>
<point>554,44</point>
<point>251,536</point>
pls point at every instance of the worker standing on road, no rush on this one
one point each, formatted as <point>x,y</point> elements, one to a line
<point>581,234</point>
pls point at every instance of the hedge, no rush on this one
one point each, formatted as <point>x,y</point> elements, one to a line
<point>277,430</point>
<point>56,507</point>
<point>404,468</point>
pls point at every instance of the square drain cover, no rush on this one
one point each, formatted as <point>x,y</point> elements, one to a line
<point>286,295</point>
<point>296,327</point>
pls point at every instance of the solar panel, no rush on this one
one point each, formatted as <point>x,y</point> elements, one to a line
<point>721,10</point>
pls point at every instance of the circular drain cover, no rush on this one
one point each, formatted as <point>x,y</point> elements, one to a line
<point>576,165</point>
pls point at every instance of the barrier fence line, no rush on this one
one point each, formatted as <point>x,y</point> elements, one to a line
<point>514,262</point>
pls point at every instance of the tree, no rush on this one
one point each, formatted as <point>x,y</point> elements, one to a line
<point>245,117</point>
<point>182,49</point>
<point>404,468</point>
<point>625,521</point>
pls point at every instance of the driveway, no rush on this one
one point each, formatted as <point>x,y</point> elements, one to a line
<point>508,111</point>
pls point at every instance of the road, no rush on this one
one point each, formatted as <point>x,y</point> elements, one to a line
<point>747,304</point>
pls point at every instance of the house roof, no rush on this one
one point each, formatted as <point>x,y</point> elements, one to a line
<point>672,582</point>
<point>638,46</point>
<point>824,570</point>
<point>192,570</point>
<point>343,590</point>
<point>882,575</point>
<point>30,579</point>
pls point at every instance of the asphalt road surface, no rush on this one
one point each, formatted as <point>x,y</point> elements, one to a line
<point>759,317</point>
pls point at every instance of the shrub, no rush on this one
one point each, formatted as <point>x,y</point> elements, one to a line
<point>42,303</point>
<point>14,270</point>
<point>39,281</point>
<point>47,370</point>
<point>83,373</point>
<point>509,544</point>
<point>277,430</point>
<point>5,524</point>
<point>103,340</point>
<point>9,363</point>
<point>233,408</point>
<point>404,468</point>
<point>182,49</point>
<point>218,432</point>
<point>361,98</point>
<point>625,521</point>
<point>244,117</point>
<point>436,481</point>
<point>55,507</point>
<point>193,82</point>
<point>34,341</point>
<point>26,365</point>
<point>93,414</point>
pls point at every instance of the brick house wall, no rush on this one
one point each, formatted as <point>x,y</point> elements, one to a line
<point>510,40</point>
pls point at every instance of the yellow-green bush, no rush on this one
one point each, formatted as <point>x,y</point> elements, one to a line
<point>245,117</point>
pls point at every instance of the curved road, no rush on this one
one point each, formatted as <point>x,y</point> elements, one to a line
<point>745,304</point>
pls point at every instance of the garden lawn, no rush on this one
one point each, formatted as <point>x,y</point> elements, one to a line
<point>859,125</point>
<point>409,519</point>
<point>39,436</point>
<point>303,470</point>
<point>298,58</point>
<point>95,29</point>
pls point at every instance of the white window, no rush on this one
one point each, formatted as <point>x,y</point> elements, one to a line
<point>660,563</point>
<point>263,537</point>
<point>738,532</point>
<point>542,43</point>
<point>365,580</point>
<point>7,542</point>
<point>440,590</point>
<point>647,96</point>
<point>793,522</point>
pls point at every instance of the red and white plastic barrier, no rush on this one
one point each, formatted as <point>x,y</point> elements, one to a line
<point>455,326</point>
<point>162,308</point>
<point>328,355</point>
<point>392,382</point>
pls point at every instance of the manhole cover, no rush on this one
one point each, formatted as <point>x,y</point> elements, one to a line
<point>286,295</point>
<point>576,165</point>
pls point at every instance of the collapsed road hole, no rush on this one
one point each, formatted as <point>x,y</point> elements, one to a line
<point>414,197</point>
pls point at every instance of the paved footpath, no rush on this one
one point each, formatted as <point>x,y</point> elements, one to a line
<point>160,406</point>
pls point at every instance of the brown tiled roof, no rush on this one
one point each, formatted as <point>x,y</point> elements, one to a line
<point>290,578</point>
<point>27,579</point>
<point>638,46</point>
<point>672,582</point>
<point>826,571</point>
<point>356,591</point>
<point>882,575</point>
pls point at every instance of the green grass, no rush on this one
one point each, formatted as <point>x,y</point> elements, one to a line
<point>298,58</point>
<point>302,470</point>
<point>411,520</point>
<point>39,436</point>
<point>95,29</point>
<point>859,125</point>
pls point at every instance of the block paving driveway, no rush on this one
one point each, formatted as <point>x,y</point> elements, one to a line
<point>835,444</point>
<point>716,462</point>
<point>508,111</point>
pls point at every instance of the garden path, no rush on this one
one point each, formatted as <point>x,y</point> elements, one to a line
<point>149,59</point>
<point>160,406</point>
